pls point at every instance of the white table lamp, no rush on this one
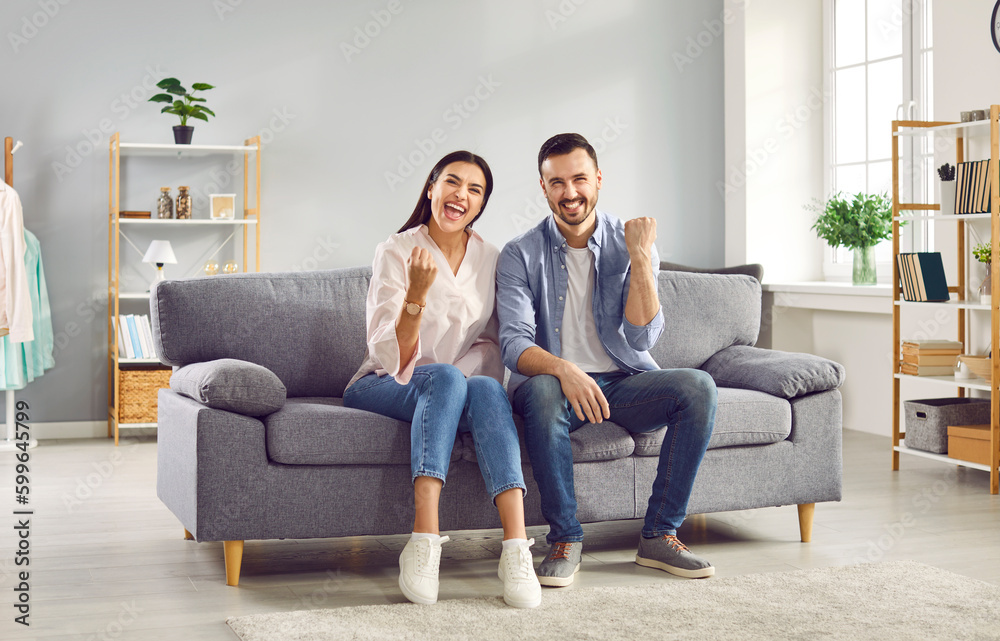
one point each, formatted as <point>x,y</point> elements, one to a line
<point>159,253</point>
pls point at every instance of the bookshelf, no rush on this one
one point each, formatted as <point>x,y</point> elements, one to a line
<point>133,382</point>
<point>903,211</point>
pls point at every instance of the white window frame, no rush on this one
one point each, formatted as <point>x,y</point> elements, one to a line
<point>915,152</point>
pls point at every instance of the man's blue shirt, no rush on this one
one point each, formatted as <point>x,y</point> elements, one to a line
<point>531,296</point>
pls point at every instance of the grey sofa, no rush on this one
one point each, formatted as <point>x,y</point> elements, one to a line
<point>261,447</point>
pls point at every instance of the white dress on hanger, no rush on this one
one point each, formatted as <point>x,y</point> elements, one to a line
<point>15,297</point>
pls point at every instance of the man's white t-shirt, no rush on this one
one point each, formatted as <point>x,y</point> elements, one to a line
<point>581,344</point>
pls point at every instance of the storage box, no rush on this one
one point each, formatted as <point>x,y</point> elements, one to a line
<point>969,443</point>
<point>927,420</point>
<point>137,392</point>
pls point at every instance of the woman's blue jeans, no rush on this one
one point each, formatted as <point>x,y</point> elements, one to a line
<point>684,400</point>
<point>440,402</point>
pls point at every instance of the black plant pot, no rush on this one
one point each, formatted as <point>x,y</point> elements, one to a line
<point>182,135</point>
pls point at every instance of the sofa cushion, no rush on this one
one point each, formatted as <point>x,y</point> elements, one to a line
<point>743,417</point>
<point>784,374</point>
<point>705,313</point>
<point>232,385</point>
<point>321,431</point>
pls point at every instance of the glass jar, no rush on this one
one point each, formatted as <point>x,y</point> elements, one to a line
<point>165,205</point>
<point>183,203</point>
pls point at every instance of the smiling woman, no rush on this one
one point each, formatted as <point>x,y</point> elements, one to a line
<point>434,361</point>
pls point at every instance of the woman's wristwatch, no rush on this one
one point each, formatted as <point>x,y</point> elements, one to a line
<point>413,309</point>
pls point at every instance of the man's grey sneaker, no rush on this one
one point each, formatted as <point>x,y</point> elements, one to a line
<point>561,564</point>
<point>669,554</point>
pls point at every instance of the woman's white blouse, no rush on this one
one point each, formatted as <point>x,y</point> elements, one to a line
<point>459,324</point>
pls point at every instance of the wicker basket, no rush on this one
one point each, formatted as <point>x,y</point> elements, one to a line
<point>981,366</point>
<point>137,394</point>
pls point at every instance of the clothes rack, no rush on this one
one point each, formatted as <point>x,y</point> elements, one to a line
<point>9,443</point>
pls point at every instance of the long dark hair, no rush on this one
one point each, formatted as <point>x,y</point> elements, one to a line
<point>422,212</point>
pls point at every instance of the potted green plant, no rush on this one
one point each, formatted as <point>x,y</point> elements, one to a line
<point>982,253</point>
<point>857,222</point>
<point>184,105</point>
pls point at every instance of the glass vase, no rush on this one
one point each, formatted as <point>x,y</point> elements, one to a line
<point>864,266</point>
<point>986,288</point>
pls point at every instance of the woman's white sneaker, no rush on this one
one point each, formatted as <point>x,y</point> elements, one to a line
<point>418,570</point>
<point>517,571</point>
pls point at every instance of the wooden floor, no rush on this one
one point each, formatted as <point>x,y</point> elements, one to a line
<point>108,560</point>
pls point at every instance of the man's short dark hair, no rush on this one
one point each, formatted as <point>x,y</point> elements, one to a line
<point>562,144</point>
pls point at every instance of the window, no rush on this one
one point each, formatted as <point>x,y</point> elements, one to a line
<point>879,62</point>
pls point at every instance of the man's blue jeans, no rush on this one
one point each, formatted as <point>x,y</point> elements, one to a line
<point>439,402</point>
<point>684,400</point>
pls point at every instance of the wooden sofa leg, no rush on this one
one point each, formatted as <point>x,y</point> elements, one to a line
<point>233,551</point>
<point>188,536</point>
<point>806,511</point>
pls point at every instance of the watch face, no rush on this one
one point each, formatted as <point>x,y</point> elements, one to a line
<point>412,308</point>
<point>995,26</point>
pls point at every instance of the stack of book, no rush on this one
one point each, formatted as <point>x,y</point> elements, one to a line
<point>972,191</point>
<point>135,336</point>
<point>921,276</point>
<point>930,357</point>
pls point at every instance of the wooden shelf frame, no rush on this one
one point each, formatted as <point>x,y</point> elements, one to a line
<point>250,224</point>
<point>901,129</point>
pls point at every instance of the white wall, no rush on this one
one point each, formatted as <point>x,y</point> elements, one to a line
<point>641,78</point>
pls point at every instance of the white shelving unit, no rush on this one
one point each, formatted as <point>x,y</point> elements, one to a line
<point>928,212</point>
<point>249,224</point>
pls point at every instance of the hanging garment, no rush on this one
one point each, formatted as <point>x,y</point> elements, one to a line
<point>24,362</point>
<point>15,301</point>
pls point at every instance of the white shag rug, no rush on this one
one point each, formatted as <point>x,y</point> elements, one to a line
<point>884,601</point>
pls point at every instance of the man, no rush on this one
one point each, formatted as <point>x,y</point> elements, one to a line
<point>578,308</point>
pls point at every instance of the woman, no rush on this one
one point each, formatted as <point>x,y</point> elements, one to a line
<point>434,360</point>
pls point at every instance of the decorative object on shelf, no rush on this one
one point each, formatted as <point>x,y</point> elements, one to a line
<point>231,267</point>
<point>165,204</point>
<point>921,277</point>
<point>982,254</point>
<point>859,223</point>
<point>981,366</point>
<point>927,420</point>
<point>135,214</point>
<point>183,203</point>
<point>973,182</point>
<point>185,106</point>
<point>947,174</point>
<point>222,206</point>
<point>159,253</point>
<point>211,269</point>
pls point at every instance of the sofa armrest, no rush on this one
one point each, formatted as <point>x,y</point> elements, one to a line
<point>784,374</point>
<point>232,385</point>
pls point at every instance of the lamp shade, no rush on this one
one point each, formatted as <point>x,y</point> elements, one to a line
<point>159,252</point>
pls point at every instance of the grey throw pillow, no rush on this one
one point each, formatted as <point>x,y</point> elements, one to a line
<point>784,374</point>
<point>230,384</point>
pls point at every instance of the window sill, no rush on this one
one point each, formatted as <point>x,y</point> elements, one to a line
<point>832,296</point>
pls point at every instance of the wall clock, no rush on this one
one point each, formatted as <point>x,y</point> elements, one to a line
<point>995,26</point>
